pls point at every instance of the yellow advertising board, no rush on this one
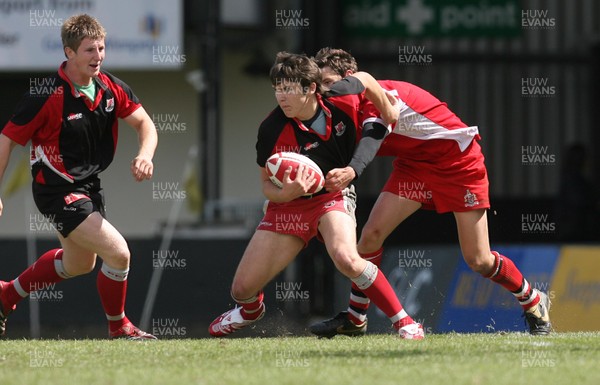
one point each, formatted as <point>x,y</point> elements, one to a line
<point>575,290</point>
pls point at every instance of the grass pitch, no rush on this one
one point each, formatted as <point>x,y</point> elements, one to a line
<point>513,358</point>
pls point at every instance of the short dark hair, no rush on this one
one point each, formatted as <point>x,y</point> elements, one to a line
<point>337,59</point>
<point>290,67</point>
<point>78,27</point>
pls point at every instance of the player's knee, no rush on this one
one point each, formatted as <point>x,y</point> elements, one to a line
<point>240,290</point>
<point>480,262</point>
<point>78,264</point>
<point>121,258</point>
<point>347,262</point>
<point>371,238</point>
<point>88,267</point>
<point>81,268</point>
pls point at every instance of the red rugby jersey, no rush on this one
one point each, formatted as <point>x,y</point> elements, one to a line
<point>423,118</point>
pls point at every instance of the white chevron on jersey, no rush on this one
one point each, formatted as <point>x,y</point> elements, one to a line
<point>434,121</point>
<point>417,126</point>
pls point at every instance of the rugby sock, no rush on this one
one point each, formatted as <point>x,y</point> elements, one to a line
<point>527,297</point>
<point>251,307</point>
<point>507,275</point>
<point>48,269</point>
<point>359,302</point>
<point>112,287</point>
<point>375,285</point>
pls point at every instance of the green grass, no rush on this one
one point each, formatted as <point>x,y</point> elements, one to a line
<point>514,358</point>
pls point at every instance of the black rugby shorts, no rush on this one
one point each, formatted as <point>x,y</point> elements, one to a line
<point>67,208</point>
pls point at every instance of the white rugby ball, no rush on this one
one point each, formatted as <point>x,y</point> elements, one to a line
<point>279,162</point>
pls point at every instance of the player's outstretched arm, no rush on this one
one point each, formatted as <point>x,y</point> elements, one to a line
<point>141,166</point>
<point>373,135</point>
<point>6,146</point>
<point>387,106</point>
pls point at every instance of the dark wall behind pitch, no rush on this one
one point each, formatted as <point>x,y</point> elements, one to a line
<point>194,290</point>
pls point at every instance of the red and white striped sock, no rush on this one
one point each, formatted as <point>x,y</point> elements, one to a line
<point>359,302</point>
<point>251,307</point>
<point>507,275</point>
<point>48,269</point>
<point>375,285</point>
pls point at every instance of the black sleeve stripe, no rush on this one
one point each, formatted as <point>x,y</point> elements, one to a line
<point>347,86</point>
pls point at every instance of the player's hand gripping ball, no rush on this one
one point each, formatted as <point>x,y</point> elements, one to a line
<point>278,163</point>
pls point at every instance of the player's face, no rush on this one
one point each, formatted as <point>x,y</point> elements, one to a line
<point>87,60</point>
<point>294,99</point>
<point>328,76</point>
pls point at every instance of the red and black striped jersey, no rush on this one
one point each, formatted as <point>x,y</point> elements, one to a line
<point>332,150</point>
<point>72,138</point>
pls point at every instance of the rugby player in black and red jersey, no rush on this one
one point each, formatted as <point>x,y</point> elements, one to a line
<point>73,132</point>
<point>438,166</point>
<point>324,128</point>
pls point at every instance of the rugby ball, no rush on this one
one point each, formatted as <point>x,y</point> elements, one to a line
<point>281,161</point>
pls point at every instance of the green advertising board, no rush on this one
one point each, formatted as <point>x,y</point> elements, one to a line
<point>431,18</point>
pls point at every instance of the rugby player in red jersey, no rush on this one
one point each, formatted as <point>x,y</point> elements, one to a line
<point>73,128</point>
<point>322,127</point>
<point>438,166</point>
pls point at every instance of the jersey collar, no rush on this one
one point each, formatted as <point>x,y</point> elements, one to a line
<point>77,94</point>
<point>63,75</point>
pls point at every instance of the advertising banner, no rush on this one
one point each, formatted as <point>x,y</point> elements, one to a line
<point>576,283</point>
<point>141,34</point>
<point>432,18</point>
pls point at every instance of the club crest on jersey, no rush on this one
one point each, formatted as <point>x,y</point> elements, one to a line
<point>310,146</point>
<point>470,199</point>
<point>340,128</point>
<point>110,105</point>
